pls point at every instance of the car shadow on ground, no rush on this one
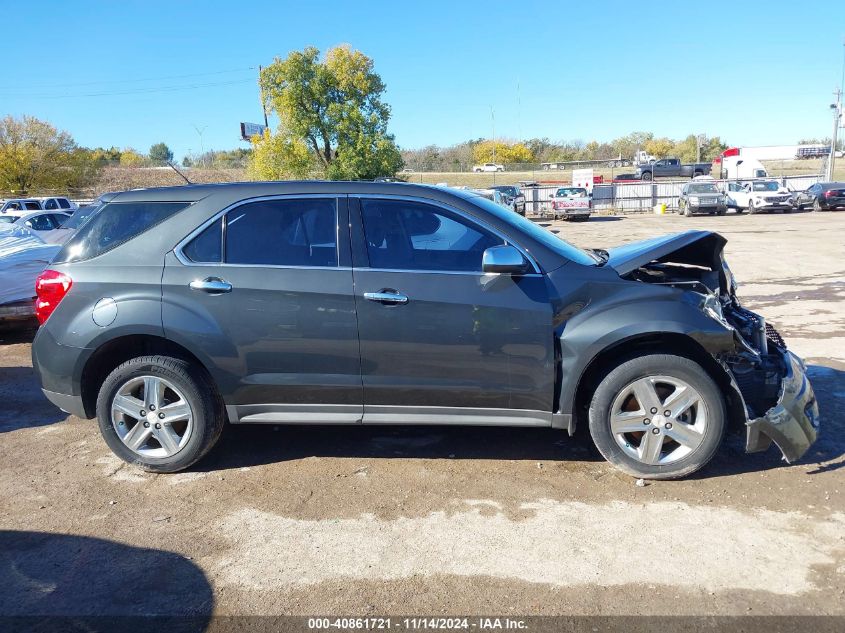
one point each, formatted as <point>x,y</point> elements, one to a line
<point>23,403</point>
<point>257,445</point>
<point>76,583</point>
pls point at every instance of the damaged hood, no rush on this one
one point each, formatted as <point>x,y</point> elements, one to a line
<point>695,248</point>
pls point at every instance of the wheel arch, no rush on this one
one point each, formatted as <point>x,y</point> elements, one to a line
<point>653,343</point>
<point>120,349</point>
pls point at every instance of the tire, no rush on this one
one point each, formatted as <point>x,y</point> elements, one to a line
<point>646,176</point>
<point>751,209</point>
<point>816,206</point>
<point>188,439</point>
<point>722,211</point>
<point>687,210</point>
<point>701,437</point>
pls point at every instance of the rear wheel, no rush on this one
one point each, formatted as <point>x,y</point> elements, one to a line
<point>160,413</point>
<point>646,176</point>
<point>658,417</point>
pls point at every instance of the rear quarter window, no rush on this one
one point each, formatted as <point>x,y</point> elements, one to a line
<point>113,225</point>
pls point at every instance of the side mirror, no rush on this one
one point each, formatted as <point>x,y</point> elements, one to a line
<point>504,259</point>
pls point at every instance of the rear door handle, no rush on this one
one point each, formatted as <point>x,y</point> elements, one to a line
<point>211,285</point>
<point>387,296</point>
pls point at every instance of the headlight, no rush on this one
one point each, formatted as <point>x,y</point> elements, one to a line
<point>693,199</point>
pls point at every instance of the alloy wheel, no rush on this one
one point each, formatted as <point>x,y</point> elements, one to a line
<point>658,419</point>
<point>152,417</point>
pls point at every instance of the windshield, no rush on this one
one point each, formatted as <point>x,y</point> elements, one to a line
<point>8,218</point>
<point>703,188</point>
<point>547,238</point>
<point>571,192</point>
<point>511,191</point>
<point>765,186</point>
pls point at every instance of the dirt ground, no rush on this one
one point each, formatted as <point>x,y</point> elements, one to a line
<point>376,521</point>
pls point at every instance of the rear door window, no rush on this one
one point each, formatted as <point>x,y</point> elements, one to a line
<point>282,232</point>
<point>114,224</point>
<point>51,204</point>
<point>64,203</point>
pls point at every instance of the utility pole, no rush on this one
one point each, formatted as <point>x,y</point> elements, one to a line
<point>200,131</point>
<point>493,123</point>
<point>837,113</point>
<point>261,96</point>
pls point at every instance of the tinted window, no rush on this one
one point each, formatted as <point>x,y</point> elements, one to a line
<point>207,247</point>
<point>113,225</point>
<point>79,216</point>
<point>63,203</point>
<point>404,235</point>
<point>40,223</point>
<point>299,232</point>
<point>32,206</point>
<point>51,204</point>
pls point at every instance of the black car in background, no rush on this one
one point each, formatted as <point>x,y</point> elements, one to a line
<point>174,311</point>
<point>822,196</point>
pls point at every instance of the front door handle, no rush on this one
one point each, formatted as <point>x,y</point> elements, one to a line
<point>387,295</point>
<point>211,285</point>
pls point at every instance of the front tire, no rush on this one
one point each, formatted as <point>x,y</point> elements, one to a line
<point>160,413</point>
<point>629,422</point>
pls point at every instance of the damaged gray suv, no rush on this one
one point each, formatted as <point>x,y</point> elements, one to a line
<point>174,311</point>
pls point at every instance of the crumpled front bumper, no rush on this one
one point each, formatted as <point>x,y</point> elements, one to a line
<point>793,423</point>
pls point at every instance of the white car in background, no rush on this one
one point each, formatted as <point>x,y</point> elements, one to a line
<point>572,203</point>
<point>488,167</point>
<point>43,223</point>
<point>759,196</point>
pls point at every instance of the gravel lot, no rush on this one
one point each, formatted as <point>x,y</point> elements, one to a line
<point>375,521</point>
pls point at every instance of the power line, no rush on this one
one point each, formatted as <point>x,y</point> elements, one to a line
<point>135,80</point>
<point>131,92</point>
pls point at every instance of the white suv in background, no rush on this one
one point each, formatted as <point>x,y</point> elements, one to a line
<point>488,167</point>
<point>759,196</point>
<point>58,203</point>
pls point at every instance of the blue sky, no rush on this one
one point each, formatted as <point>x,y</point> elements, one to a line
<point>754,73</point>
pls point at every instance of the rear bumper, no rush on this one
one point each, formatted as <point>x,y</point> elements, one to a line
<point>67,403</point>
<point>793,423</point>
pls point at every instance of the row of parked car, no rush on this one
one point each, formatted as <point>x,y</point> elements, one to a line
<point>53,219</point>
<point>758,196</point>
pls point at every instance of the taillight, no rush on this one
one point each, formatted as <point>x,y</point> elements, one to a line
<point>51,286</point>
<point>828,193</point>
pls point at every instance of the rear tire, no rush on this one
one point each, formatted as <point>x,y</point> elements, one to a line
<point>184,387</point>
<point>631,431</point>
<point>646,176</point>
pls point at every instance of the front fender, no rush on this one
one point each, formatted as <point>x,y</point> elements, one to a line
<point>602,327</point>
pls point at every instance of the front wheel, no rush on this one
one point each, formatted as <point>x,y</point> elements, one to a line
<point>816,205</point>
<point>160,413</point>
<point>658,416</point>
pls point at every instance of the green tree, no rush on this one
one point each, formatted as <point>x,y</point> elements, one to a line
<point>34,155</point>
<point>505,152</point>
<point>659,147</point>
<point>279,157</point>
<point>131,158</point>
<point>161,153</point>
<point>334,109</point>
